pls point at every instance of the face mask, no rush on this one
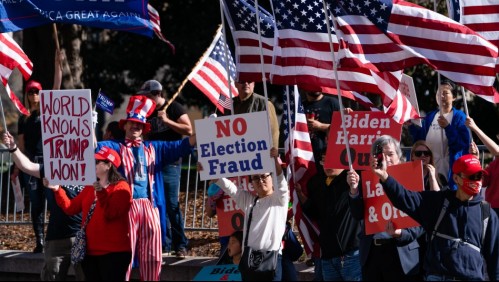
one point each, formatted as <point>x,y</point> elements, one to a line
<point>471,187</point>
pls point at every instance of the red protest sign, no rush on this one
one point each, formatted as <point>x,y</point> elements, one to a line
<point>230,217</point>
<point>378,209</point>
<point>363,128</point>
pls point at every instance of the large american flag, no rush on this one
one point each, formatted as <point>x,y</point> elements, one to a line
<point>301,165</point>
<point>393,35</point>
<point>241,17</point>
<point>210,73</point>
<point>303,52</point>
<point>156,25</point>
<point>11,57</point>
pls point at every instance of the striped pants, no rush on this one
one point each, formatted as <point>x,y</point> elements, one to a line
<point>145,237</point>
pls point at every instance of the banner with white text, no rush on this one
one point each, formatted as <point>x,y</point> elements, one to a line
<point>378,209</point>
<point>362,128</point>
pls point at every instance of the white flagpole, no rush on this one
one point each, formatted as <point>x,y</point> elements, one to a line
<point>227,66</point>
<point>335,68</point>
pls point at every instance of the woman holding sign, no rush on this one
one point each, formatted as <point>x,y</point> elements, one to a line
<point>394,253</point>
<point>106,205</point>
<point>264,222</point>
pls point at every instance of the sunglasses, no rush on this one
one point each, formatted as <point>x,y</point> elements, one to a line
<point>473,177</point>
<point>420,154</point>
<point>258,178</point>
<point>33,91</point>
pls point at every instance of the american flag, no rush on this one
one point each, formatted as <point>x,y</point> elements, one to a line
<point>480,15</point>
<point>241,17</point>
<point>303,57</point>
<point>11,57</point>
<point>301,165</point>
<point>483,17</point>
<point>303,52</point>
<point>156,26</point>
<point>210,73</point>
<point>393,35</point>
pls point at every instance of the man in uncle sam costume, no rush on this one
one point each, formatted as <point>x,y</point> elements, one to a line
<point>141,165</point>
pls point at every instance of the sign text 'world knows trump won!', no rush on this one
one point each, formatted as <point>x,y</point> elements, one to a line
<point>67,134</point>
<point>235,145</point>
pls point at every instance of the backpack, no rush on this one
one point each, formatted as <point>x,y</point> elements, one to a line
<point>485,207</point>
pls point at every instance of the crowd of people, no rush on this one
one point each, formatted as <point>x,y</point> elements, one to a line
<point>135,200</point>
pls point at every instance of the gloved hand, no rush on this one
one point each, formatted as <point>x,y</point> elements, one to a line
<point>94,118</point>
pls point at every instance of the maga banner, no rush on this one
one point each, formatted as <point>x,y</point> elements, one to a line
<point>129,15</point>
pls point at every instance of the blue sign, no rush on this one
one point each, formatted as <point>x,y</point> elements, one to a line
<point>124,15</point>
<point>225,272</point>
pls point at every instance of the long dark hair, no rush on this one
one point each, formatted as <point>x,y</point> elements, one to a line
<point>114,175</point>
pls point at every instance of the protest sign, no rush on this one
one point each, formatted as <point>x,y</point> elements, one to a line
<point>224,272</point>
<point>363,128</point>
<point>378,209</point>
<point>235,145</point>
<point>67,134</point>
<point>407,89</point>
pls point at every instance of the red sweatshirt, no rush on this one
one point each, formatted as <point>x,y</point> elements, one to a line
<point>108,229</point>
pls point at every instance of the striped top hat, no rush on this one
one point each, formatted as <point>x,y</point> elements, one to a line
<point>138,109</point>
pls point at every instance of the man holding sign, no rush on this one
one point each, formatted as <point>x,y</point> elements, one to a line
<point>465,230</point>
<point>394,253</point>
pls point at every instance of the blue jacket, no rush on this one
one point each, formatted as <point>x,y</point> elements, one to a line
<point>463,220</point>
<point>458,137</point>
<point>407,243</point>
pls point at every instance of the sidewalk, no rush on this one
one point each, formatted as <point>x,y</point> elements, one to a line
<point>26,266</point>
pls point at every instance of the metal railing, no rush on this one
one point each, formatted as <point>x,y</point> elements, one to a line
<point>192,195</point>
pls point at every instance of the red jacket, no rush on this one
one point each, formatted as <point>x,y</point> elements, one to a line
<point>108,229</point>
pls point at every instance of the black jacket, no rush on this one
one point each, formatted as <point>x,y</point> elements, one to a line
<point>328,204</point>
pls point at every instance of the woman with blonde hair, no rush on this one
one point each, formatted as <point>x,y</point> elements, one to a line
<point>421,151</point>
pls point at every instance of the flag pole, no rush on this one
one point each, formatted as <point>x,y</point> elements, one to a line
<point>4,123</point>
<point>187,78</point>
<point>227,66</point>
<point>264,79</point>
<point>465,103</point>
<point>439,99</point>
<point>335,69</point>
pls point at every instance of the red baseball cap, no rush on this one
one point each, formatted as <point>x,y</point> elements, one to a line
<point>108,154</point>
<point>467,164</point>
<point>33,84</point>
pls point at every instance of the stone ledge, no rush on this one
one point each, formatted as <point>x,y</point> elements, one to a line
<point>20,265</point>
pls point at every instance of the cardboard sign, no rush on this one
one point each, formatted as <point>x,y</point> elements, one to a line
<point>378,209</point>
<point>407,89</point>
<point>67,134</point>
<point>234,145</point>
<point>363,128</point>
<point>224,272</point>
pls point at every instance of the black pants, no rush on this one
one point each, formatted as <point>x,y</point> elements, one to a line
<point>383,264</point>
<point>109,267</point>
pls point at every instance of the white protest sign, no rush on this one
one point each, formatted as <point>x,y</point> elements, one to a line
<point>235,145</point>
<point>67,133</point>
<point>407,89</point>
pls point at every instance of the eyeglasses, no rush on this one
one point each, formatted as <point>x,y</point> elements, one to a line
<point>420,154</point>
<point>244,82</point>
<point>258,178</point>
<point>33,91</point>
<point>474,177</point>
<point>99,161</point>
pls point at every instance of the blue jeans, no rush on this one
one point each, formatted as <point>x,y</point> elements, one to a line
<point>288,270</point>
<point>175,238</point>
<point>346,268</point>
<point>278,271</point>
<point>317,270</point>
<point>431,277</point>
<point>37,199</point>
